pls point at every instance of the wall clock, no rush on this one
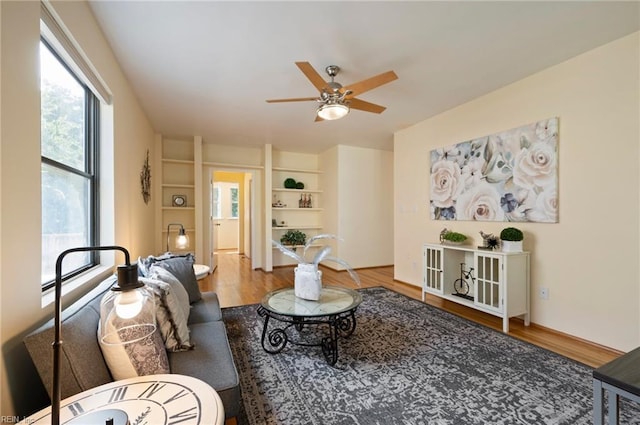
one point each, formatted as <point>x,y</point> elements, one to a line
<point>145,180</point>
<point>143,400</point>
<point>179,201</point>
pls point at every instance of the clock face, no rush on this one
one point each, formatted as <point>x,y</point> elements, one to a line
<point>156,400</point>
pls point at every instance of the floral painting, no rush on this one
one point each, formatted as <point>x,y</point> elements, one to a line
<point>507,176</point>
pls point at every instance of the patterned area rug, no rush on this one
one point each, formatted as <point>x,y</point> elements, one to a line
<point>409,363</point>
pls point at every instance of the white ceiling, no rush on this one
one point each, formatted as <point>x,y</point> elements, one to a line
<point>207,67</point>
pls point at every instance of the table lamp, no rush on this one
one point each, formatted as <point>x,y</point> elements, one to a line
<point>129,312</point>
<point>182,240</point>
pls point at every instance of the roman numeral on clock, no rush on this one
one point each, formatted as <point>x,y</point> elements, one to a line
<point>151,390</point>
<point>176,396</point>
<point>76,409</point>
<point>118,394</point>
<point>183,416</point>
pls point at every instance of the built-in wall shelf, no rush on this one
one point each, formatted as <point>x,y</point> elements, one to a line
<point>296,170</point>
<point>303,169</point>
<point>178,186</point>
<point>177,161</point>
<point>295,227</point>
<point>301,191</point>
<point>295,209</point>
<point>226,165</point>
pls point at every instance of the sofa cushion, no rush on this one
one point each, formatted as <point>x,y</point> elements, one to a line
<point>212,362</point>
<point>206,310</point>
<point>179,266</point>
<point>81,363</point>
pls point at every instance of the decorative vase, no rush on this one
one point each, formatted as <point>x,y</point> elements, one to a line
<point>308,282</point>
<point>511,246</point>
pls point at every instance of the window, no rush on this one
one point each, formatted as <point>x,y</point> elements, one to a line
<point>234,202</point>
<point>69,146</point>
<point>217,205</point>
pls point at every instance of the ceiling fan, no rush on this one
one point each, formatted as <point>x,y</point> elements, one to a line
<point>336,100</point>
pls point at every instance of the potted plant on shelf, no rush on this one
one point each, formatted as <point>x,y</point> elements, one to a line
<point>511,239</point>
<point>453,238</point>
<point>308,279</point>
<point>294,238</point>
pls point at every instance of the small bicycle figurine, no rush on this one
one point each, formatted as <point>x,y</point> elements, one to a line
<point>461,286</point>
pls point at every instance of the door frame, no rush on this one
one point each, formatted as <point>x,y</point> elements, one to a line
<point>207,176</point>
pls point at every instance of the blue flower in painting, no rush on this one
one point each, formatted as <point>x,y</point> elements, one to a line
<point>508,202</point>
<point>448,213</point>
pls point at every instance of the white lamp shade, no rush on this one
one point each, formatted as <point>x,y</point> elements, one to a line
<point>332,111</point>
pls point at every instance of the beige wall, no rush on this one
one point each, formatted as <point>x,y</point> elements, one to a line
<point>589,260</point>
<point>131,134</point>
<point>358,204</point>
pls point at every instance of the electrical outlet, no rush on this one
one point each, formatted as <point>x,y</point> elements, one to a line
<point>544,293</point>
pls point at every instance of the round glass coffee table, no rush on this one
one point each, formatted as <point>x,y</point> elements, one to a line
<point>331,317</point>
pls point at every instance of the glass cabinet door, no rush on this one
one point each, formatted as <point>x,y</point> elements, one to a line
<point>433,266</point>
<point>489,281</point>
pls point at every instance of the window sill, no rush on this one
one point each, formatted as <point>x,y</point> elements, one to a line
<point>86,281</point>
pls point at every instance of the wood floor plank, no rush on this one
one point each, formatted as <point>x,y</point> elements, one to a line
<point>237,284</point>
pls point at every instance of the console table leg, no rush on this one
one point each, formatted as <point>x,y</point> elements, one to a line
<point>613,406</point>
<point>598,395</point>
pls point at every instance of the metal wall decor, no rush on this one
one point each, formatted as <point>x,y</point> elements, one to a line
<point>145,180</point>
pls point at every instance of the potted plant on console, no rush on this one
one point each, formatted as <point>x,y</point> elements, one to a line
<point>308,279</point>
<point>511,239</point>
<point>448,237</point>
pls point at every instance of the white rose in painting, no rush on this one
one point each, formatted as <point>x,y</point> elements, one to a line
<point>535,166</point>
<point>547,129</point>
<point>545,207</point>
<point>446,183</point>
<point>472,173</point>
<point>481,202</point>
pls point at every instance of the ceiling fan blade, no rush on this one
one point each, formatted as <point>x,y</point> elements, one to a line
<point>318,119</point>
<point>366,106</point>
<point>313,76</point>
<point>294,99</point>
<point>368,84</point>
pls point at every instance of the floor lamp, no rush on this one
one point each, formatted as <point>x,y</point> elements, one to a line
<point>182,240</point>
<point>128,300</point>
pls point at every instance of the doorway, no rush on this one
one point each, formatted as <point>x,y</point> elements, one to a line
<point>226,215</point>
<point>231,218</point>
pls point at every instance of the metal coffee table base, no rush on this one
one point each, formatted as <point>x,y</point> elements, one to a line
<point>339,325</point>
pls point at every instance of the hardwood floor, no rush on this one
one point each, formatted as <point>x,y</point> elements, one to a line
<point>236,284</point>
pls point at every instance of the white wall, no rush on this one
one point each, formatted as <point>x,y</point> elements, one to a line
<point>359,204</point>
<point>589,260</point>
<point>20,295</point>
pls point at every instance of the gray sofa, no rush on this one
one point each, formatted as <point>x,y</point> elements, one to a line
<point>83,366</point>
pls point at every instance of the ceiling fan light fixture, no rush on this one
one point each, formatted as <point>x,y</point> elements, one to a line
<point>332,111</point>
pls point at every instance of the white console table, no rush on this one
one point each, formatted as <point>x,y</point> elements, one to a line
<point>501,286</point>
